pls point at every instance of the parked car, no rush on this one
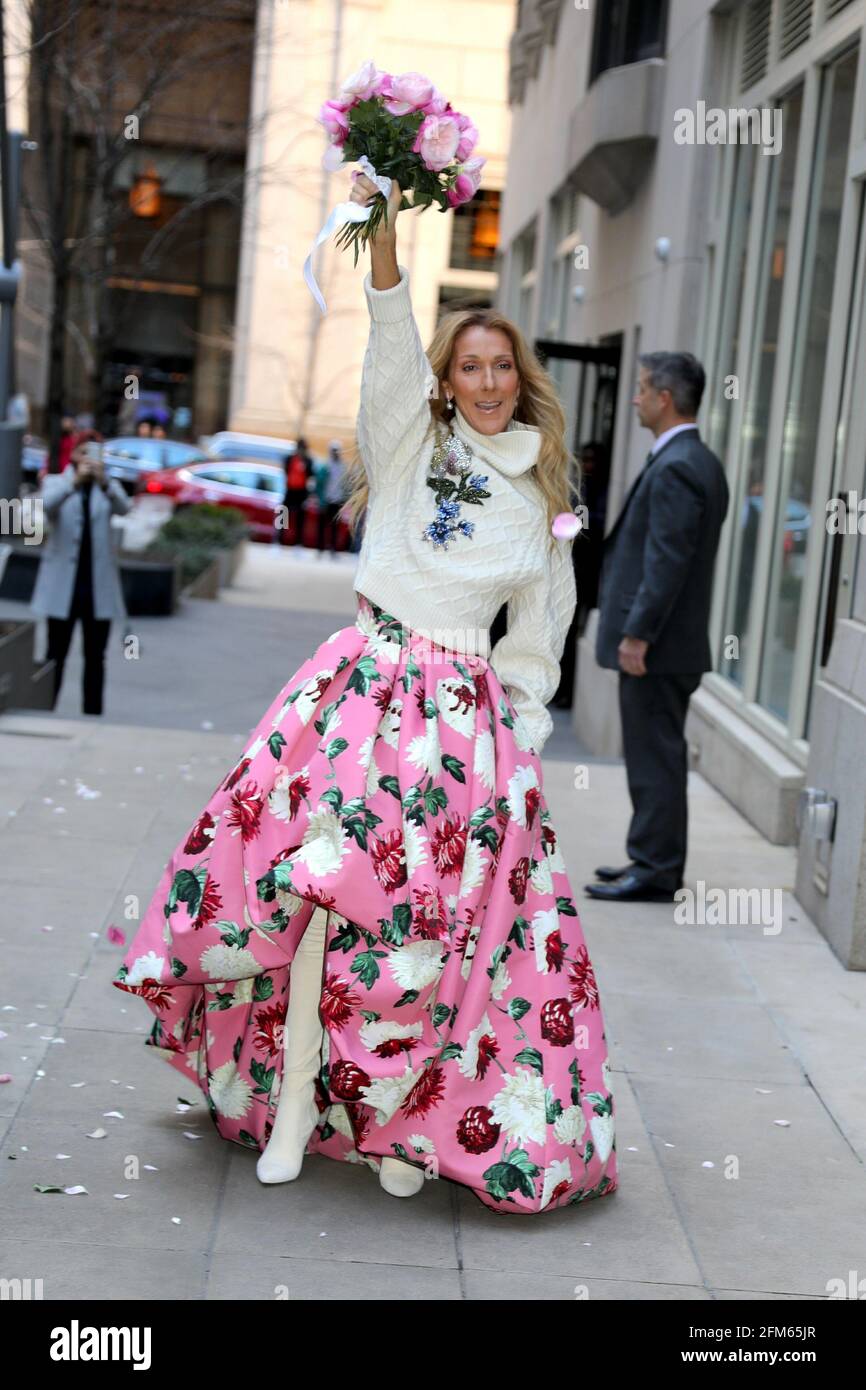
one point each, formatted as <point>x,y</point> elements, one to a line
<point>248,448</point>
<point>129,458</point>
<point>256,488</point>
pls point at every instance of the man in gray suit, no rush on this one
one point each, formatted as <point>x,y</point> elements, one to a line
<point>654,601</point>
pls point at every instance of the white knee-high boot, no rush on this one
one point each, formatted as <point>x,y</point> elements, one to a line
<point>400,1178</point>
<point>297,1112</point>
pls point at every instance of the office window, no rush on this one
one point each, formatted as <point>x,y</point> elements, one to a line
<point>475,232</point>
<point>748,505</point>
<point>734,250</point>
<point>627,31</point>
<point>563,238</point>
<point>793,523</point>
<point>525,274</point>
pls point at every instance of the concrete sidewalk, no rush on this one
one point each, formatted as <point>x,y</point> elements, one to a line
<point>717,1033</point>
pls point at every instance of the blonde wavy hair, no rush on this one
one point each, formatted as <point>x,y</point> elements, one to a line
<point>556,470</point>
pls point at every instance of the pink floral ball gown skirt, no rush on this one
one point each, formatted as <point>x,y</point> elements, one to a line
<point>391,783</point>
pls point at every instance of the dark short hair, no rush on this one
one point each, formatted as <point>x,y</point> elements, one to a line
<point>677,372</point>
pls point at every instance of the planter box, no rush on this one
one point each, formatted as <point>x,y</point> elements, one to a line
<point>230,562</point>
<point>24,684</point>
<point>19,573</point>
<point>206,584</point>
<point>41,689</point>
<point>150,587</point>
<point>236,558</point>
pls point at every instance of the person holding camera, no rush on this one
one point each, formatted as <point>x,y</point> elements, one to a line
<point>79,578</point>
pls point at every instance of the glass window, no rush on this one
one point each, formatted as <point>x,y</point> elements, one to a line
<point>475,232</point>
<point>152,453</point>
<point>560,257</point>
<point>525,277</point>
<point>228,477</point>
<point>627,31</point>
<point>793,522</point>
<point>271,481</point>
<point>752,471</point>
<point>736,243</point>
<point>249,453</point>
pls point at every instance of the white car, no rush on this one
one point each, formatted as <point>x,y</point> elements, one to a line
<point>247,448</point>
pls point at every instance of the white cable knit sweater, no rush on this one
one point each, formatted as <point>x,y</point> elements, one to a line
<point>459,590</point>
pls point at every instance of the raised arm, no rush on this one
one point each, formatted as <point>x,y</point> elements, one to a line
<point>396,383</point>
<point>397,380</point>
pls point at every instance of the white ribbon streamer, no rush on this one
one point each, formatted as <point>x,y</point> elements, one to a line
<point>337,218</point>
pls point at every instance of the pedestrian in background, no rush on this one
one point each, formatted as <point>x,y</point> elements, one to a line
<point>656,587</point>
<point>299,481</point>
<point>67,440</point>
<point>79,577</point>
<point>330,494</point>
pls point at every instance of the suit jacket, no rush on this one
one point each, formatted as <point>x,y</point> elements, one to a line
<point>658,559</point>
<point>55,582</point>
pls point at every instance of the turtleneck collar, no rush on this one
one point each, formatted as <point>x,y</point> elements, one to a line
<point>513,451</point>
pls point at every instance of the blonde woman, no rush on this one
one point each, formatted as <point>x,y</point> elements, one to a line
<point>367,947</point>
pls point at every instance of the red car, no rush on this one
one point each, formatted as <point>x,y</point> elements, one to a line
<point>257,489</point>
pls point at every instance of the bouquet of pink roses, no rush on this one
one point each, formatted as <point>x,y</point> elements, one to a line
<point>397,128</point>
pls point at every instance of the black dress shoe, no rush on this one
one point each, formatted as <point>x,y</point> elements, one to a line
<point>608,874</point>
<point>630,888</point>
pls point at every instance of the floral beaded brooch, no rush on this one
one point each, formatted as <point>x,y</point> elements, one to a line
<point>453,483</point>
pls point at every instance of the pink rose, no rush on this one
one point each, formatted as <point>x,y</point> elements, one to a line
<point>467,183</point>
<point>332,115</point>
<point>408,92</point>
<point>437,141</point>
<point>437,105</point>
<point>362,84</point>
<point>468,138</point>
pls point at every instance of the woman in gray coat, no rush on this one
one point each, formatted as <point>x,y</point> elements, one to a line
<point>78,578</point>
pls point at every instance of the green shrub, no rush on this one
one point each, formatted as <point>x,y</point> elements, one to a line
<point>193,560</point>
<point>203,523</point>
<point>194,534</point>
